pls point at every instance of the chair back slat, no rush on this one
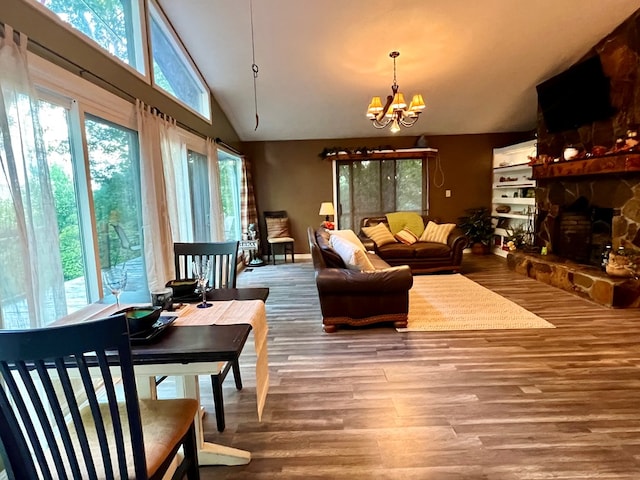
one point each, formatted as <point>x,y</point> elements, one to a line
<point>96,416</point>
<point>222,256</point>
<point>58,415</point>
<point>43,428</point>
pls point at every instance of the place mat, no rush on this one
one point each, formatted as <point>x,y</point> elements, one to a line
<point>232,312</point>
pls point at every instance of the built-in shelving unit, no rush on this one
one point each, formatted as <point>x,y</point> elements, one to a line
<point>513,202</point>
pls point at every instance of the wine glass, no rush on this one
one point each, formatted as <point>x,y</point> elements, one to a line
<point>201,270</point>
<point>116,279</point>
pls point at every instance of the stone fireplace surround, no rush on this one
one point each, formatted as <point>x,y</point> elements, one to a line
<point>608,183</point>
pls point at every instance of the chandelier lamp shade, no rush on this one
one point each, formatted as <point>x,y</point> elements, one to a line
<point>395,111</point>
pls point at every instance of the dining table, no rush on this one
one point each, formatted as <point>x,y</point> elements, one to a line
<point>203,341</point>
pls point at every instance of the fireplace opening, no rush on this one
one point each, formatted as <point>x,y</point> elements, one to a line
<point>582,231</point>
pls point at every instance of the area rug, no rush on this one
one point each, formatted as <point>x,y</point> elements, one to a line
<point>453,302</point>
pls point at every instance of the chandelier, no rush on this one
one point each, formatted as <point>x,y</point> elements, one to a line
<point>395,111</point>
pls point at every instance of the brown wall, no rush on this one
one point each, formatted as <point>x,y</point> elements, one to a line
<point>290,175</point>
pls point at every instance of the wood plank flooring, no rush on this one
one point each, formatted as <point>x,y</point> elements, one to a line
<point>372,403</point>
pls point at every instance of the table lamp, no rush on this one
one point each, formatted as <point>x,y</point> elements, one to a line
<point>326,209</point>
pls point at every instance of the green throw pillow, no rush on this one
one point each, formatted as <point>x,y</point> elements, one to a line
<point>409,220</point>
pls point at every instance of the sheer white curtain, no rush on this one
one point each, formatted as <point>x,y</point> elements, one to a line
<point>31,280</point>
<point>176,174</point>
<point>159,142</point>
<point>217,215</point>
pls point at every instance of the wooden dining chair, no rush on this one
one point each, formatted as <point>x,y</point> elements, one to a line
<point>64,413</point>
<point>278,235</point>
<point>223,256</point>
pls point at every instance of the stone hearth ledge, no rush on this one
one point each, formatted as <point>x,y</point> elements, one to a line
<point>582,280</point>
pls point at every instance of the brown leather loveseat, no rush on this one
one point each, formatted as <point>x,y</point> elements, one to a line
<point>355,298</point>
<point>422,257</point>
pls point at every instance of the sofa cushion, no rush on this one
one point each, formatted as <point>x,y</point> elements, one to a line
<point>397,251</point>
<point>353,256</point>
<point>329,255</point>
<point>435,232</point>
<point>431,250</point>
<point>406,236</point>
<point>380,234</point>
<point>410,220</point>
<point>348,235</point>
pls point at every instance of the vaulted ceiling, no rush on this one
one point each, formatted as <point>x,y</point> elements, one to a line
<point>320,61</point>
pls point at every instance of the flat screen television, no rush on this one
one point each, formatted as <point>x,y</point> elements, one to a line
<point>575,97</point>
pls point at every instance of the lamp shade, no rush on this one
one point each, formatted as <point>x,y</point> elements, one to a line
<point>326,208</point>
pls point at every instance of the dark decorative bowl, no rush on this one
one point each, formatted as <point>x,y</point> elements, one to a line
<point>141,319</point>
<point>182,288</point>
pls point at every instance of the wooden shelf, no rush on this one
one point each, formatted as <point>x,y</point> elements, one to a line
<point>611,164</point>
<point>519,216</point>
<point>511,168</point>
<point>517,184</point>
<point>515,200</point>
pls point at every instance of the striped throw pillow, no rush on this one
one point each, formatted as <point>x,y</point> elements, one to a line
<point>437,233</point>
<point>380,234</point>
<point>406,236</point>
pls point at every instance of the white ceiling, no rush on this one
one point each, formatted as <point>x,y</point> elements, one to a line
<point>476,63</point>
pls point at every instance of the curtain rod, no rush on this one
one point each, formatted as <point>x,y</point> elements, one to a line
<point>227,146</point>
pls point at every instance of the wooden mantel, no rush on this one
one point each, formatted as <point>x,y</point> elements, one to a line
<point>610,164</point>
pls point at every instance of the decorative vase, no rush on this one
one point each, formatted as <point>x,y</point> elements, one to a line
<point>479,248</point>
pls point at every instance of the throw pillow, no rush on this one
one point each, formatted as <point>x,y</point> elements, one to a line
<point>437,233</point>
<point>277,227</point>
<point>411,220</point>
<point>348,235</point>
<point>352,256</point>
<point>380,234</point>
<point>406,236</point>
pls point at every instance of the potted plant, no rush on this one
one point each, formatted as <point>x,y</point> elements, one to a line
<point>477,226</point>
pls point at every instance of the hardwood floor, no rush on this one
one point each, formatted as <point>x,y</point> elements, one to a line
<point>372,403</point>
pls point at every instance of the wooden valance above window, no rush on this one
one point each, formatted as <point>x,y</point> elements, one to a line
<point>365,154</point>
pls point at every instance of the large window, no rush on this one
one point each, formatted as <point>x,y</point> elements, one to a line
<point>230,174</point>
<point>375,186</point>
<point>173,71</point>
<point>200,197</point>
<point>115,186</point>
<point>230,177</point>
<point>57,133</point>
<point>113,24</point>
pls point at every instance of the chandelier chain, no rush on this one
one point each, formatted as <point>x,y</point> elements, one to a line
<point>254,67</point>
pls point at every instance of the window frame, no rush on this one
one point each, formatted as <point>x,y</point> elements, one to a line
<point>339,159</point>
<point>139,41</point>
<point>155,10</point>
<point>85,98</point>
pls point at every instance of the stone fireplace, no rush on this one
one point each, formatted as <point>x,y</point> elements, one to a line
<point>584,203</point>
<point>578,217</point>
<point>582,206</point>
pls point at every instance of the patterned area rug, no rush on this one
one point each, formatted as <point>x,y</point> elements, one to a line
<point>453,302</point>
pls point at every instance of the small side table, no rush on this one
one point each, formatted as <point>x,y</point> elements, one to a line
<point>252,246</point>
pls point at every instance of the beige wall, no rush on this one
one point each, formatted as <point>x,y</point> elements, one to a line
<point>290,175</point>
<point>66,49</point>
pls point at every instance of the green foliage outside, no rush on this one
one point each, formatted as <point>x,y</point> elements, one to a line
<point>108,22</point>
<point>376,187</point>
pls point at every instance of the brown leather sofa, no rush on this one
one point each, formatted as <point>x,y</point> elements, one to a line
<point>422,257</point>
<point>350,297</point>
